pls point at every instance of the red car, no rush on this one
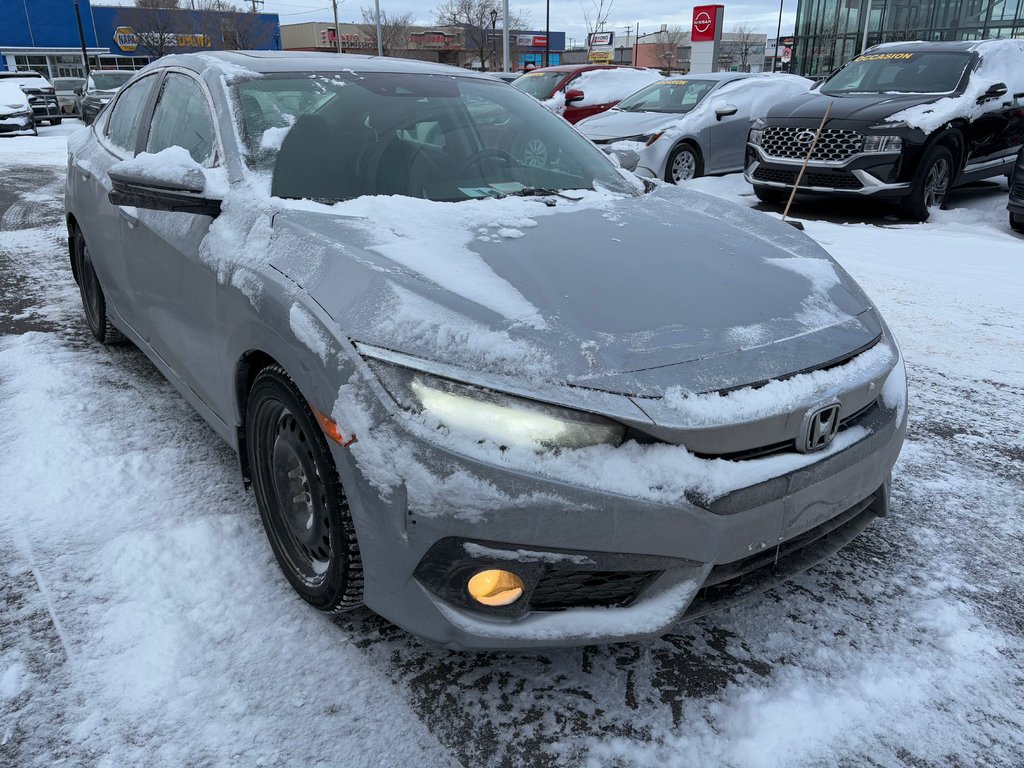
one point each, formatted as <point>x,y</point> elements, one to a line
<point>585,95</point>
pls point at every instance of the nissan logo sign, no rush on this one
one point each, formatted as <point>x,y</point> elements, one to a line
<point>702,22</point>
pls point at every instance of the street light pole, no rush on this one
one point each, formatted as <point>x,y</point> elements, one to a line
<point>504,38</point>
<point>380,42</point>
<point>547,33</point>
<point>494,34</point>
<point>867,19</point>
<point>81,39</point>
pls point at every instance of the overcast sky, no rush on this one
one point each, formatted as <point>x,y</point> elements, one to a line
<point>566,15</point>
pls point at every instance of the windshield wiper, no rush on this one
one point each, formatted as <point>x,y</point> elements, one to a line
<point>540,192</point>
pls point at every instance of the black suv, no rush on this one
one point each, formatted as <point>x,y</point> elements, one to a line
<point>908,121</point>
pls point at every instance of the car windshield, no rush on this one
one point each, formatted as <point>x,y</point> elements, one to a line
<point>343,135</point>
<point>899,72</point>
<point>67,83</point>
<point>110,81</point>
<point>538,84</point>
<point>676,96</point>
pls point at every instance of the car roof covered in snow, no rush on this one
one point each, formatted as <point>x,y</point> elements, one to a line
<point>269,62</point>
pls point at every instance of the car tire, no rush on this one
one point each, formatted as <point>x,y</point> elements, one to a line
<point>684,163</point>
<point>1017,222</point>
<point>56,121</point>
<point>771,195</point>
<point>94,303</point>
<point>931,184</point>
<point>301,500</point>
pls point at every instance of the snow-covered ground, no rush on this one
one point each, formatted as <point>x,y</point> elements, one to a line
<point>143,620</point>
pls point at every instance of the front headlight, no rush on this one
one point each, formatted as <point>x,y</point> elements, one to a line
<point>756,135</point>
<point>485,415</point>
<point>650,138</point>
<point>883,143</point>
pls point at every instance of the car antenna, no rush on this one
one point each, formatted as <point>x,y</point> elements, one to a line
<point>810,151</point>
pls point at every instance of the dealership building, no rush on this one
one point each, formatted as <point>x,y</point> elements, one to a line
<point>43,35</point>
<point>830,32</point>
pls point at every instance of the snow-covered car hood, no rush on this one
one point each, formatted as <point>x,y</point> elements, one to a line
<point>629,296</point>
<point>617,124</point>
<point>869,106</point>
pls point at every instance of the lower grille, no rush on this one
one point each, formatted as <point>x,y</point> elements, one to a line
<point>560,589</point>
<point>733,582</point>
<point>811,178</point>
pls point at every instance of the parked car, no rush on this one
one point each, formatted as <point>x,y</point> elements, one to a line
<point>577,91</point>
<point>506,77</point>
<point>680,128</point>
<point>15,112</point>
<point>41,95</point>
<point>908,121</point>
<point>99,90</point>
<point>67,98</point>
<point>1016,204</point>
<point>446,413</point>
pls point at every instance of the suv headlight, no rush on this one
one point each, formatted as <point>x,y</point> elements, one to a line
<point>756,132</point>
<point>485,415</point>
<point>883,143</point>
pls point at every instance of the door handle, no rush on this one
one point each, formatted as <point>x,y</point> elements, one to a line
<point>128,215</point>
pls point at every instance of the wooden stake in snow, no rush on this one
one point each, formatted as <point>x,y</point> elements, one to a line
<point>800,176</point>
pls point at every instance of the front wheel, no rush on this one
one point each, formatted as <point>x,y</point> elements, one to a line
<point>684,163</point>
<point>93,301</point>
<point>932,182</point>
<point>301,500</point>
<point>1017,222</point>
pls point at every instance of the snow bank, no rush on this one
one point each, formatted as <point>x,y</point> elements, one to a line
<point>1002,61</point>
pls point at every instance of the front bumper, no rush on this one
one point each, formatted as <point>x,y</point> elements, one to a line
<point>866,174</point>
<point>652,564</point>
<point>14,123</point>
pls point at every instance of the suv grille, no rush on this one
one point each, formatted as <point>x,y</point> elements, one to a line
<point>826,179</point>
<point>833,145</point>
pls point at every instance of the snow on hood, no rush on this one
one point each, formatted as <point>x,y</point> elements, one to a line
<point>1001,61</point>
<point>12,97</point>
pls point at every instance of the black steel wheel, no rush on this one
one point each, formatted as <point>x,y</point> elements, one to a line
<point>93,301</point>
<point>932,182</point>
<point>302,503</point>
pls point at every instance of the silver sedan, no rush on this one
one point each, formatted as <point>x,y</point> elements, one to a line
<point>503,405</point>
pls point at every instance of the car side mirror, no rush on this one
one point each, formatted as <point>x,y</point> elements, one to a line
<point>574,95</point>
<point>162,186</point>
<point>994,92</point>
<point>725,110</point>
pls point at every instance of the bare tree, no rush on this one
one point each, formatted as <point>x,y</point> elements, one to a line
<point>667,44</point>
<point>596,16</point>
<point>744,40</point>
<point>474,16</point>
<point>394,29</point>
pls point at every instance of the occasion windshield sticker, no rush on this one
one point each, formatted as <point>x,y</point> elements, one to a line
<point>886,57</point>
<point>673,82</point>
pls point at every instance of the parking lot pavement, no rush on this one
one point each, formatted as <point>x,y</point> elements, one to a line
<point>144,622</point>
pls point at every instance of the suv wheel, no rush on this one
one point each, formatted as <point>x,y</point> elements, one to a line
<point>1017,222</point>
<point>932,181</point>
<point>300,497</point>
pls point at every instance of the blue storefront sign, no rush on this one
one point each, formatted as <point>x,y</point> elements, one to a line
<point>43,34</point>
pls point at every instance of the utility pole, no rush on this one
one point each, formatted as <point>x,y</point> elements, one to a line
<point>81,39</point>
<point>778,35</point>
<point>380,42</point>
<point>547,34</point>
<point>337,31</point>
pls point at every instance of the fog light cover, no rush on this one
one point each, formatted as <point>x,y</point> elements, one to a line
<point>495,587</point>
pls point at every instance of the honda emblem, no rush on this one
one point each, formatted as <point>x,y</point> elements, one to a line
<point>820,427</point>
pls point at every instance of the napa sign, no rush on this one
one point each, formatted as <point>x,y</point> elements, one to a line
<point>128,40</point>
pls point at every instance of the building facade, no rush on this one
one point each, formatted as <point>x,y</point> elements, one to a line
<point>830,32</point>
<point>42,35</point>
<point>458,46</point>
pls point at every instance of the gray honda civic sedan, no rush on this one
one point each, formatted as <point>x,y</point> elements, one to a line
<point>501,404</point>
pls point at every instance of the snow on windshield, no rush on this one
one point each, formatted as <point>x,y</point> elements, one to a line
<point>1002,61</point>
